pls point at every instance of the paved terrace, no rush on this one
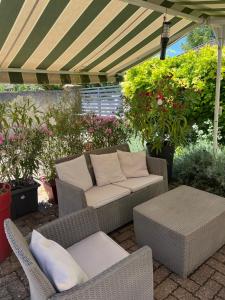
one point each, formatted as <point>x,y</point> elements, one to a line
<point>207,282</point>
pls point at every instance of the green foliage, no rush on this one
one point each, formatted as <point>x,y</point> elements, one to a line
<point>20,140</point>
<point>196,165</point>
<point>194,71</point>
<point>198,36</point>
<point>106,131</point>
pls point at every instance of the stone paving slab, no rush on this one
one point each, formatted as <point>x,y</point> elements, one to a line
<point>207,282</point>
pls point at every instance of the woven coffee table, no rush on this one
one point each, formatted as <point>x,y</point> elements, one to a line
<point>184,227</point>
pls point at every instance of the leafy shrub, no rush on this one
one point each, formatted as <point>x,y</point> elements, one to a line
<point>106,131</point>
<point>196,164</point>
<point>21,139</point>
<point>195,70</point>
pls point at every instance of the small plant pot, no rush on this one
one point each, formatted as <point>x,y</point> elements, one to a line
<point>5,204</point>
<point>24,200</point>
<point>167,153</point>
<point>50,189</point>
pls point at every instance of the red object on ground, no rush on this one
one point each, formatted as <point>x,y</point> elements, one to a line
<point>5,206</point>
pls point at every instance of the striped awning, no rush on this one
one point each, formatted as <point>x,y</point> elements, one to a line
<point>88,41</point>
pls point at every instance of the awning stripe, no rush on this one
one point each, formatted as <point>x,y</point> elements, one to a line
<point>139,46</point>
<point>141,26</point>
<point>53,78</point>
<point>85,19</point>
<point>156,50</point>
<point>46,21</point>
<point>148,31</point>
<point>57,32</point>
<point>63,41</point>
<point>114,38</point>
<point>24,24</point>
<point>124,15</point>
<point>9,11</point>
<point>94,28</point>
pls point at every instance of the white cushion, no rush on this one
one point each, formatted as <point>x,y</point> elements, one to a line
<point>107,168</point>
<point>133,164</point>
<point>56,262</point>
<point>135,184</point>
<point>98,196</point>
<point>97,253</point>
<point>75,172</point>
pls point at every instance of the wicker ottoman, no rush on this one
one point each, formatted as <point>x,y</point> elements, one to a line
<point>183,227</point>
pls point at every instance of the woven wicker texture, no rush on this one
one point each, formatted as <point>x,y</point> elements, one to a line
<point>183,227</point>
<point>119,212</point>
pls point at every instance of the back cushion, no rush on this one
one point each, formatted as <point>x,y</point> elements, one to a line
<point>75,172</point>
<point>107,168</point>
<point>133,164</point>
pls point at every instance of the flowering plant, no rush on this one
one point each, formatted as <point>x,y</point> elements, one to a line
<point>64,135</point>
<point>20,141</point>
<point>106,131</point>
<point>159,114</point>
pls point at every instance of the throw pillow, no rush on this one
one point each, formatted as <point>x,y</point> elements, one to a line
<point>75,172</point>
<point>56,262</point>
<point>133,164</point>
<point>107,168</point>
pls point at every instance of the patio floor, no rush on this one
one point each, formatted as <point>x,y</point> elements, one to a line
<point>207,282</point>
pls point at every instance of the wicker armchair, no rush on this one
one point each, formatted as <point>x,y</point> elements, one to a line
<point>119,212</point>
<point>130,278</point>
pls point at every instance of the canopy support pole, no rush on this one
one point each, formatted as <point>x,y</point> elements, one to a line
<point>219,31</point>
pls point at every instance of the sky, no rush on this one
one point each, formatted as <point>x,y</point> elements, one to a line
<point>176,49</point>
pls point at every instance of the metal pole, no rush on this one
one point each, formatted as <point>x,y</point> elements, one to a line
<point>218,84</point>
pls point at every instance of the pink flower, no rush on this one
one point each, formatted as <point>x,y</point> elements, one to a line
<point>44,129</point>
<point>91,130</point>
<point>1,139</point>
<point>12,137</point>
<point>108,131</point>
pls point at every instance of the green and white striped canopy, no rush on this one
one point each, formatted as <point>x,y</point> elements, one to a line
<point>82,41</point>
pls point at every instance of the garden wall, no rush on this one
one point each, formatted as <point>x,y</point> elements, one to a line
<point>42,98</point>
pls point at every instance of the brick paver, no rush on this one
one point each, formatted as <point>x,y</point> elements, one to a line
<point>207,282</point>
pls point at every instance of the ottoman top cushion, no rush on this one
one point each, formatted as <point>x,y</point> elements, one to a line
<point>183,209</point>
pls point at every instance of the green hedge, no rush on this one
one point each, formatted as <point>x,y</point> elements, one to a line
<point>195,70</point>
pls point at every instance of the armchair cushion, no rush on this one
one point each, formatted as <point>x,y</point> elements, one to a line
<point>56,262</point>
<point>133,164</point>
<point>135,184</point>
<point>97,253</point>
<point>106,168</point>
<point>98,196</point>
<point>75,172</point>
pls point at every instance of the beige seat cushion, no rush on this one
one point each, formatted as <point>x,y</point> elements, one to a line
<point>133,164</point>
<point>75,172</point>
<point>97,253</point>
<point>135,184</point>
<point>107,168</point>
<point>101,195</point>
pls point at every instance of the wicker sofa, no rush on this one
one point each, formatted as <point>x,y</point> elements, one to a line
<point>120,211</point>
<point>129,278</point>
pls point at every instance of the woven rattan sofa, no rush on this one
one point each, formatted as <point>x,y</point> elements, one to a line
<point>130,278</point>
<point>120,211</point>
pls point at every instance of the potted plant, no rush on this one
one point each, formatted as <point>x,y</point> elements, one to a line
<point>20,146</point>
<point>159,116</point>
<point>63,137</point>
<point>5,203</point>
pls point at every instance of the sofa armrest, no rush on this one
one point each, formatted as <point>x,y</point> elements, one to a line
<point>72,228</point>
<point>131,278</point>
<point>70,198</point>
<point>158,166</point>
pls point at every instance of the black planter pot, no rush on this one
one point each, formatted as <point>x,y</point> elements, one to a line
<point>167,152</point>
<point>24,200</point>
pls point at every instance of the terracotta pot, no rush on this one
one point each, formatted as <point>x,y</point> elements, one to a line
<point>5,212</point>
<point>50,189</point>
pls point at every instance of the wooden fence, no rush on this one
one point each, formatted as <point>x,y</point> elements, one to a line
<point>103,101</point>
